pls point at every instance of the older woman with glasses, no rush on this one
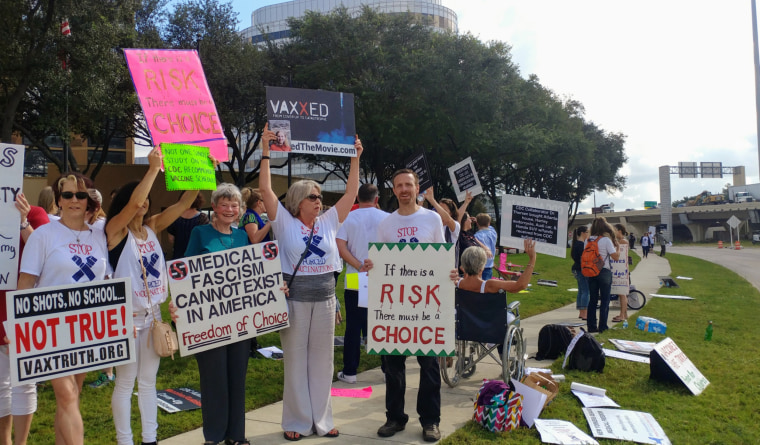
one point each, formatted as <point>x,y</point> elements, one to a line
<point>221,370</point>
<point>308,251</point>
<point>67,251</point>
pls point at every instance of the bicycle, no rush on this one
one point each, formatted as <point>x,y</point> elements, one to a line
<point>636,298</point>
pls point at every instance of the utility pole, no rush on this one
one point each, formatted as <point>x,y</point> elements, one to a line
<point>757,77</point>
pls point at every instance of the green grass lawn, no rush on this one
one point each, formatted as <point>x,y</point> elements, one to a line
<point>725,413</point>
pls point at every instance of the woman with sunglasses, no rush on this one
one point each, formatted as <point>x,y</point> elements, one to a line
<point>135,252</point>
<point>67,251</point>
<point>308,251</point>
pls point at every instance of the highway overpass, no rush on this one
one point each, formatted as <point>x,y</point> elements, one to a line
<point>695,223</point>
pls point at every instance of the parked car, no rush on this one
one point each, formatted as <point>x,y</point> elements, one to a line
<point>756,237</point>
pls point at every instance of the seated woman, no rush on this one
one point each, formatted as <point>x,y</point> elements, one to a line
<point>473,262</point>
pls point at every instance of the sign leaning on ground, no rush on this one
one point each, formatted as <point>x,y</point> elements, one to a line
<point>312,122</point>
<point>464,178</point>
<point>227,296</point>
<point>188,167</point>
<point>11,178</point>
<point>540,219</point>
<point>411,299</point>
<point>66,330</point>
<point>667,362</point>
<point>175,98</point>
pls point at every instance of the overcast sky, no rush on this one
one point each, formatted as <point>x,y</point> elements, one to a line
<point>675,76</point>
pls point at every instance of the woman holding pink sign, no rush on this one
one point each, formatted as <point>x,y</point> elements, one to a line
<point>67,251</point>
<point>135,252</point>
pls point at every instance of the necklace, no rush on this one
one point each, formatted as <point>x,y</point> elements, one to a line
<point>221,239</point>
<point>76,233</point>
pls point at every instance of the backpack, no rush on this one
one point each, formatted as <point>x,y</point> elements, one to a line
<point>586,355</point>
<point>553,340</point>
<point>592,262</point>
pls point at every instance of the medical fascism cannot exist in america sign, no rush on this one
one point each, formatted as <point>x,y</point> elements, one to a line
<point>227,296</point>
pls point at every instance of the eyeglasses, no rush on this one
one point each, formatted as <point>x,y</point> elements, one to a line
<point>79,195</point>
<point>314,197</point>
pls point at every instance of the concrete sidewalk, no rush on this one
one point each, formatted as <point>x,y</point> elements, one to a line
<point>359,419</point>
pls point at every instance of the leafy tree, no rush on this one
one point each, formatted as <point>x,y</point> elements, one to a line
<point>236,72</point>
<point>91,97</point>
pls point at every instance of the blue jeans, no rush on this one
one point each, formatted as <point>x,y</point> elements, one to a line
<point>356,326</point>
<point>581,300</point>
<point>599,292</point>
<point>487,273</point>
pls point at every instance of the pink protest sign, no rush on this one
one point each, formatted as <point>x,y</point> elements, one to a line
<point>176,99</point>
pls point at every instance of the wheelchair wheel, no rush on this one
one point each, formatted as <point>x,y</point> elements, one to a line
<point>513,355</point>
<point>454,368</point>
<point>636,300</point>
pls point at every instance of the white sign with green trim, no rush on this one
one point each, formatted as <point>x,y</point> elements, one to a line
<point>411,299</point>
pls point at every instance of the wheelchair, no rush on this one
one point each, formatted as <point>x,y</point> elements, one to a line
<point>483,330</point>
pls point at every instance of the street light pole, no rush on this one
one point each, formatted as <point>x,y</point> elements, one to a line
<point>757,77</point>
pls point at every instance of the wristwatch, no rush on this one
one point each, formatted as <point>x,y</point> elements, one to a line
<point>24,225</point>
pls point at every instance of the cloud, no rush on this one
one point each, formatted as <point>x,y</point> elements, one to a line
<point>676,77</point>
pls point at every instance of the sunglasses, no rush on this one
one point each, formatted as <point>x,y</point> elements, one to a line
<point>79,195</point>
<point>314,197</point>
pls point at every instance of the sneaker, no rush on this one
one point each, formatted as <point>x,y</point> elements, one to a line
<point>430,433</point>
<point>346,378</point>
<point>102,380</point>
<point>390,428</point>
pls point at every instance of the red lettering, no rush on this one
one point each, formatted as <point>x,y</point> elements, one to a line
<point>407,231</point>
<point>439,331</point>
<point>386,290</point>
<point>80,249</point>
<point>431,293</point>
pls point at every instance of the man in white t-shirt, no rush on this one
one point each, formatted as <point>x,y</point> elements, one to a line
<point>353,238</point>
<point>411,224</point>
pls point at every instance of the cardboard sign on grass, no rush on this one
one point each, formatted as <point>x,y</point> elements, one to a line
<point>188,167</point>
<point>633,426</point>
<point>540,219</point>
<point>312,122</point>
<point>668,363</point>
<point>66,330</point>
<point>11,178</point>
<point>227,296</point>
<point>176,99</point>
<point>174,400</point>
<point>411,299</point>
<point>464,178</point>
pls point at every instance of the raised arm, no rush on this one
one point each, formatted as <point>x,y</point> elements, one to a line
<point>116,227</point>
<point>522,283</point>
<point>444,213</point>
<point>466,203</point>
<point>164,219</point>
<point>344,204</point>
<point>265,175</point>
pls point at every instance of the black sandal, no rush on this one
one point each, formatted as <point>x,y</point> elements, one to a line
<point>294,436</point>
<point>333,433</point>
